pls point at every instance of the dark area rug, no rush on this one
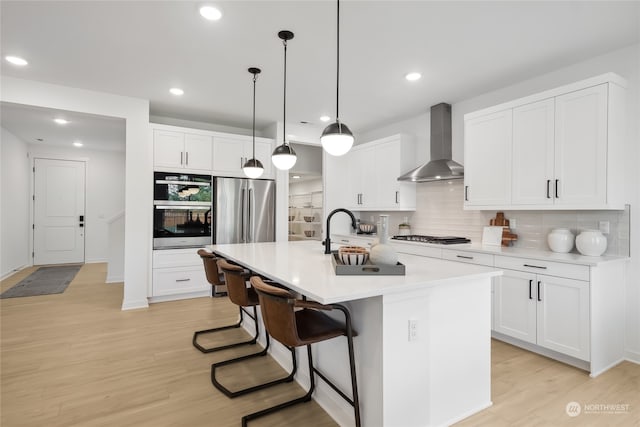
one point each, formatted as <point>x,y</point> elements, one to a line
<point>44,281</point>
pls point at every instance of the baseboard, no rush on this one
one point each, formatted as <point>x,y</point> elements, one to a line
<point>135,304</point>
<point>114,279</point>
<point>14,271</point>
<point>594,373</point>
<point>468,414</point>
<point>632,356</point>
<point>95,261</point>
<point>165,298</point>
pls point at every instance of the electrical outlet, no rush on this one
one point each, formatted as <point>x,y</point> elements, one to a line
<point>413,330</point>
<point>604,227</point>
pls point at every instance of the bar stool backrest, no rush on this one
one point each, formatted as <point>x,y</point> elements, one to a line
<point>278,314</point>
<point>235,278</point>
<point>210,267</point>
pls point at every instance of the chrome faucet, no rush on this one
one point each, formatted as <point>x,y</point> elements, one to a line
<point>327,240</point>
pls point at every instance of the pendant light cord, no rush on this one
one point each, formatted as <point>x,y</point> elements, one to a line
<point>255,76</point>
<point>338,63</point>
<point>284,112</point>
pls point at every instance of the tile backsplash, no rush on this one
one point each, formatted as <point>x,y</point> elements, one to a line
<point>439,212</point>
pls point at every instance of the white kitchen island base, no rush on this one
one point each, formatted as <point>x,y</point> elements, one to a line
<point>423,349</point>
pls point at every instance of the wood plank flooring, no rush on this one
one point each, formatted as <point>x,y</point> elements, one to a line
<point>76,359</point>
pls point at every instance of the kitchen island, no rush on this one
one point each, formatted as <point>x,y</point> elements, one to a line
<point>423,347</point>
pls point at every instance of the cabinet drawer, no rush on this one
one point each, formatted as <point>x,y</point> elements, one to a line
<point>352,241</point>
<point>176,258</point>
<point>550,268</point>
<point>170,281</point>
<point>470,257</point>
<point>415,249</point>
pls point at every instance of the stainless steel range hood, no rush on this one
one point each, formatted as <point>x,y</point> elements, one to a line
<point>441,166</point>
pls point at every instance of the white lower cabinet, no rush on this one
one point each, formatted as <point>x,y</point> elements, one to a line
<point>552,312</point>
<point>178,274</point>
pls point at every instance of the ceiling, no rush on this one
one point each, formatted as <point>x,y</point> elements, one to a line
<point>463,49</point>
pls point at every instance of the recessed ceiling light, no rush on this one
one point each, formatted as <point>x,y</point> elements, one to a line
<point>16,60</point>
<point>61,121</point>
<point>176,91</point>
<point>211,13</point>
<point>325,118</point>
<point>412,77</point>
<point>296,177</point>
<point>39,139</point>
<point>78,144</point>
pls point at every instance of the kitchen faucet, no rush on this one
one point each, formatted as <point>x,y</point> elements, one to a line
<point>327,240</point>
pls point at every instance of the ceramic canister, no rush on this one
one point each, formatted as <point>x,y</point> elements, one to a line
<point>591,243</point>
<point>560,240</point>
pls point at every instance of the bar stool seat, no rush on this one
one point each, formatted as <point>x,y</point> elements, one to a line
<point>295,323</point>
<point>244,296</point>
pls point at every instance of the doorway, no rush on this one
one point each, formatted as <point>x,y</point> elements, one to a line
<point>59,211</point>
<point>306,196</point>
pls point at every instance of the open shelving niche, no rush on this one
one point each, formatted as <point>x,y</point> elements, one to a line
<point>301,205</point>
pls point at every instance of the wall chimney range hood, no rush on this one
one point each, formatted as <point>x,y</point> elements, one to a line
<point>441,166</point>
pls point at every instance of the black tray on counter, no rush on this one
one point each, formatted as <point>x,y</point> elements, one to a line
<point>365,269</point>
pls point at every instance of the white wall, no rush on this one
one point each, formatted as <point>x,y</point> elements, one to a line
<point>138,166</point>
<point>14,203</point>
<point>105,189</point>
<point>625,62</point>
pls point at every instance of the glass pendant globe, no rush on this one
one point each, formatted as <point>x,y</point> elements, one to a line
<point>337,144</point>
<point>253,168</point>
<point>284,161</point>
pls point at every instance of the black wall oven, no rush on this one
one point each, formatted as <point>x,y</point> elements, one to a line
<point>182,210</point>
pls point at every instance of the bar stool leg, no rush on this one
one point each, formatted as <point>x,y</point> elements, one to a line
<point>241,392</point>
<point>222,328</point>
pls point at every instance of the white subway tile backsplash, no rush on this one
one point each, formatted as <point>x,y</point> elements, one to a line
<point>439,212</point>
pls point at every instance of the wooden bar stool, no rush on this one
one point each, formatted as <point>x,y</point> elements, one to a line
<point>296,328</point>
<point>244,296</point>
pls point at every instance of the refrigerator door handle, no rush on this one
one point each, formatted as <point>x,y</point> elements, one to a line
<point>249,217</point>
<point>242,231</point>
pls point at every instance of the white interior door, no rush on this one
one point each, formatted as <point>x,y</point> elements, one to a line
<point>58,234</point>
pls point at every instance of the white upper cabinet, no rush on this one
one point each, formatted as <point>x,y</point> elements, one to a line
<point>231,153</point>
<point>533,178</point>
<point>487,169</point>
<point>373,171</point>
<point>581,147</point>
<point>560,149</point>
<point>177,150</point>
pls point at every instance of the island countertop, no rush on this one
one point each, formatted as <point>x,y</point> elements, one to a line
<point>302,266</point>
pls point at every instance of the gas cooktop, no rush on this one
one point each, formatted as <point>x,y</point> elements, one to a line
<point>440,240</point>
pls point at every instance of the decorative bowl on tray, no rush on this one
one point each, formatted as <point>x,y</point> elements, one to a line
<point>353,255</point>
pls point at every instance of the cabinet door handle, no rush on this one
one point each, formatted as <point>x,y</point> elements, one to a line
<point>557,188</point>
<point>181,158</point>
<point>539,299</point>
<point>534,266</point>
<point>466,193</point>
<point>186,156</point>
<point>464,257</point>
<point>397,196</point>
<point>344,240</point>
<point>548,184</point>
<point>182,280</point>
<point>530,285</point>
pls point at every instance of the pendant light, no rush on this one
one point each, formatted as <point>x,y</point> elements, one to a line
<point>336,138</point>
<point>283,156</point>
<point>253,167</point>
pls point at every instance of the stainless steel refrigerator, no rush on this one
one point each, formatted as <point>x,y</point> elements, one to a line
<point>244,210</point>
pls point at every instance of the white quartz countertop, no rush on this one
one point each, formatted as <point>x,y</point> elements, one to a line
<point>303,267</point>
<point>569,258</point>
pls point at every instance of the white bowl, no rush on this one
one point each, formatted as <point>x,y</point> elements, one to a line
<point>560,240</point>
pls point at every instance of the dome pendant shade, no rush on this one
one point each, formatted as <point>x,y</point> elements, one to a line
<point>284,157</point>
<point>337,139</point>
<point>253,168</point>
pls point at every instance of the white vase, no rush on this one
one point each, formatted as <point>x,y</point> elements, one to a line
<point>382,252</point>
<point>560,240</point>
<point>591,243</point>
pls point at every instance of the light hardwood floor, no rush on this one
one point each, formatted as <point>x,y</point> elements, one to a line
<point>76,359</point>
